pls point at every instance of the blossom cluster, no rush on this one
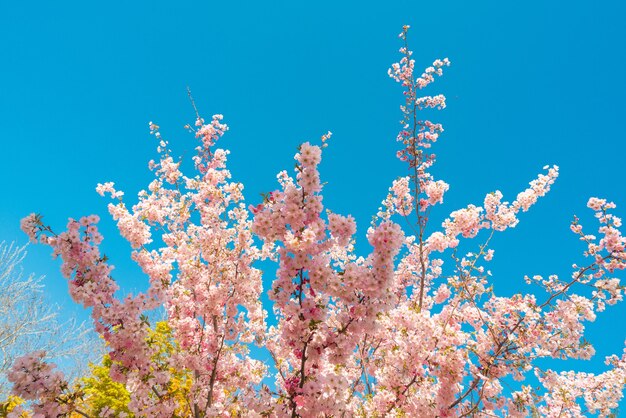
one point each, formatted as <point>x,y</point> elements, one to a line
<point>34,379</point>
<point>395,332</point>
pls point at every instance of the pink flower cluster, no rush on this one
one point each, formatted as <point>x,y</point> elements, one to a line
<point>395,332</point>
<point>30,225</point>
<point>34,379</point>
<point>341,227</point>
<point>435,190</point>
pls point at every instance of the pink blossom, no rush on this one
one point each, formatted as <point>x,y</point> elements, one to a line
<point>435,190</point>
<point>394,331</point>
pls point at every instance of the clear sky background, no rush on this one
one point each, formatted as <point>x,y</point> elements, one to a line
<point>531,83</point>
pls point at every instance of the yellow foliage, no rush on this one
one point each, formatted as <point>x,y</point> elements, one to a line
<point>9,405</point>
<point>102,394</point>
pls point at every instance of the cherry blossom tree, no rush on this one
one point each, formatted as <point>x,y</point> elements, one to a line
<point>396,332</point>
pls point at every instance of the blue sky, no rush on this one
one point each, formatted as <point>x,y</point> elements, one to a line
<point>531,83</point>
